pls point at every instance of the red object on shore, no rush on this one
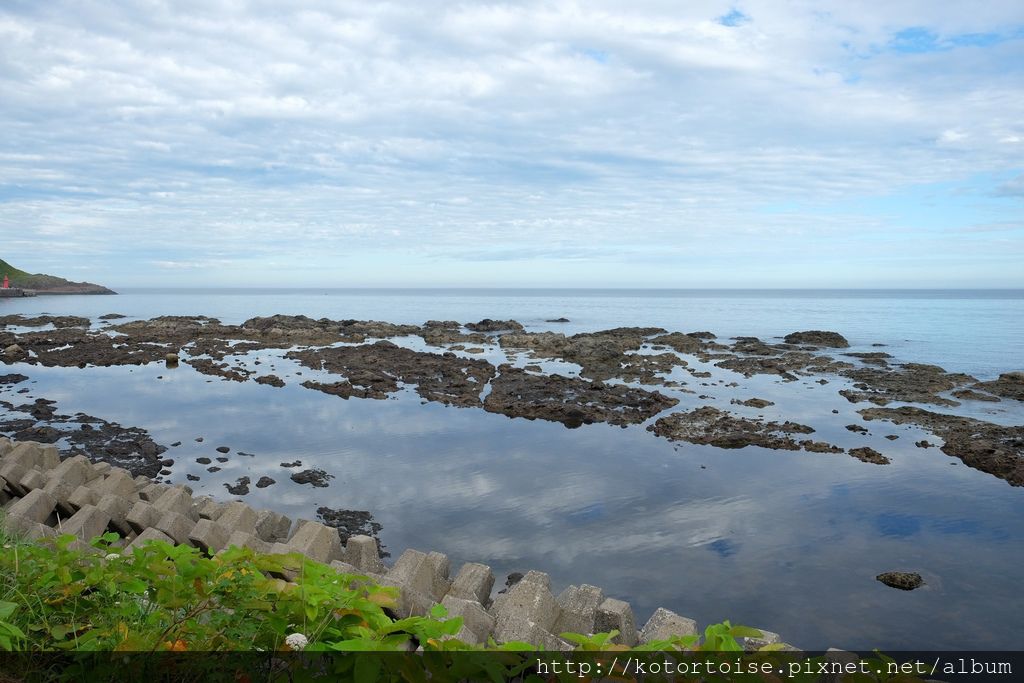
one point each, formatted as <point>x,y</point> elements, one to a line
<point>7,283</point>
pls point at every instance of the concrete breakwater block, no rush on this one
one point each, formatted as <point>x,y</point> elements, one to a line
<point>32,455</point>
<point>477,624</point>
<point>37,506</point>
<point>665,624</point>
<point>422,580</point>
<point>473,582</point>
<point>316,541</point>
<point>616,615</point>
<point>578,606</point>
<point>88,522</point>
<point>209,536</point>
<point>363,554</point>
<point>43,496</point>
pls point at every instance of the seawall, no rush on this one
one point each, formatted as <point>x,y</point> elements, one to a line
<point>43,496</point>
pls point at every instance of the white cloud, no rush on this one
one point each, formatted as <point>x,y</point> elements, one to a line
<point>433,128</point>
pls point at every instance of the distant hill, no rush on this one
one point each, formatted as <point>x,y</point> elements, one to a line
<point>48,284</point>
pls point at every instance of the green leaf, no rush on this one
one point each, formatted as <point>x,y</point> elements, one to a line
<point>7,609</point>
<point>367,669</point>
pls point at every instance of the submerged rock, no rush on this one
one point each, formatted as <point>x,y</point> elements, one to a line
<point>818,338</point>
<point>713,427</point>
<point>867,454</point>
<point>314,476</point>
<point>985,446</point>
<point>573,402</point>
<point>1009,385</point>
<point>905,581</point>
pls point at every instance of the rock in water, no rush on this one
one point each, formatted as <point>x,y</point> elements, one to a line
<point>905,581</point>
<point>818,338</point>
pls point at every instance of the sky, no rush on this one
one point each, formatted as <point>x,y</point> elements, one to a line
<point>530,144</point>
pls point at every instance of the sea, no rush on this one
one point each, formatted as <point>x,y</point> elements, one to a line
<point>786,541</point>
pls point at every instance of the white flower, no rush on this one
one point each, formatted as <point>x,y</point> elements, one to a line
<point>113,556</point>
<point>296,641</point>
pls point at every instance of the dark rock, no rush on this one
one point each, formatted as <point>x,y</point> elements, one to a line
<point>710,426</point>
<point>985,446</point>
<point>203,461</point>
<point>1009,385</point>
<point>272,380</point>
<point>557,320</point>
<point>820,447</point>
<point>818,338</point>
<point>264,482</point>
<point>906,581</point>
<point>223,449</point>
<point>112,316</point>
<point>573,402</point>
<point>296,463</point>
<point>866,454</point>
<point>175,444</point>
<point>511,580</point>
<point>316,477</point>
<point>488,325</point>
<point>351,523</point>
<point>213,469</point>
<point>191,477</point>
<point>239,488</point>
<point>910,383</point>
<point>12,379</point>
<point>971,395</point>
<point>857,428</point>
<point>375,370</point>
<point>753,402</point>
<point>221,459</point>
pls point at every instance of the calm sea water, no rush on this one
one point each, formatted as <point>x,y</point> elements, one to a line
<point>786,541</point>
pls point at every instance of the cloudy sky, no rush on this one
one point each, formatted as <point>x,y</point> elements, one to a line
<point>648,143</point>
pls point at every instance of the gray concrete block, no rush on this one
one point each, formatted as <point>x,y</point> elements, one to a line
<point>317,542</point>
<point>530,600</point>
<point>88,522</point>
<point>147,535</point>
<point>474,616</point>
<point>272,526</point>
<point>118,482</point>
<point>26,528</point>
<point>363,553</point>
<point>410,602</point>
<point>238,516</point>
<point>242,539</point>
<point>512,628</point>
<point>344,567</point>
<point>210,509</point>
<point>767,638</point>
<point>141,516</point>
<point>37,506</point>
<point>82,495</point>
<point>175,525</point>
<point>117,507</point>
<point>174,499</point>
<point>578,606</point>
<point>416,572</point>
<point>6,445</point>
<point>32,455</point>
<point>102,468</point>
<point>665,624</point>
<point>74,472</point>
<point>150,492</point>
<point>617,615</point>
<point>473,582</point>
<point>208,536</point>
<point>32,480</point>
<point>12,474</point>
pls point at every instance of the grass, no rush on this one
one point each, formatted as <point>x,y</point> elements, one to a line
<point>60,595</point>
